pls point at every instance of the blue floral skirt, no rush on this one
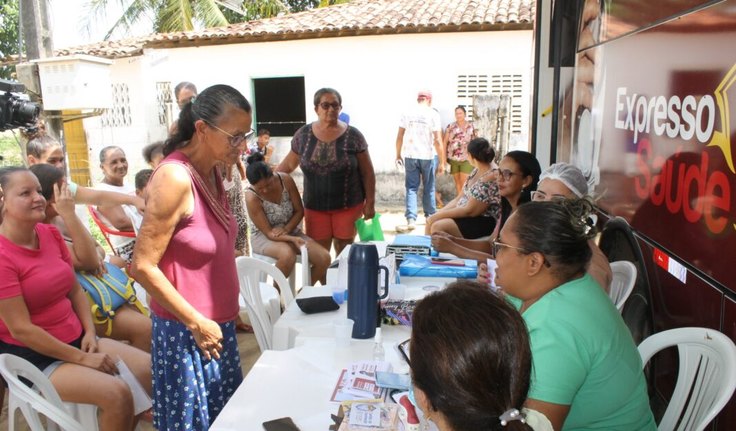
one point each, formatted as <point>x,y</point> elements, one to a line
<point>188,390</point>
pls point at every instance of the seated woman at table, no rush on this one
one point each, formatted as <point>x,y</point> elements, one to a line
<point>587,373</point>
<point>474,212</point>
<point>129,324</point>
<point>558,182</point>
<point>276,211</point>
<point>518,175</point>
<point>471,361</point>
<point>44,314</point>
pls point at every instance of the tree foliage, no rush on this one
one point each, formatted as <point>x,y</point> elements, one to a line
<point>8,34</point>
<point>325,3</point>
<point>178,15</point>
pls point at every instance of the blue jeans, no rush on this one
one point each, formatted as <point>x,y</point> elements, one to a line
<point>419,170</point>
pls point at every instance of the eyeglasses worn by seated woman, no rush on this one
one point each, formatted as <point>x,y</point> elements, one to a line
<point>326,106</point>
<point>235,140</point>
<point>498,245</point>
<point>506,174</point>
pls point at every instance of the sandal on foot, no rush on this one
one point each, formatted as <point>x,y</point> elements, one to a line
<point>243,327</point>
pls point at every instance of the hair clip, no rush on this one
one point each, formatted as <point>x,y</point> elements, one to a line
<point>511,415</point>
<point>588,224</point>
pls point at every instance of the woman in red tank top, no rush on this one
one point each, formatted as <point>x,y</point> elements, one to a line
<point>185,258</point>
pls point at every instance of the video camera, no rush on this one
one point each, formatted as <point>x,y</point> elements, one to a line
<point>16,111</point>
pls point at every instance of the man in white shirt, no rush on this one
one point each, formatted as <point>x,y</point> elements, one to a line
<point>418,141</point>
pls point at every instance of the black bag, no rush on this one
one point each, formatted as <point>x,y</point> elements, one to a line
<point>317,304</point>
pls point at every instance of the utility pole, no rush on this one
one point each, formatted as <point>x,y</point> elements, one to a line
<point>39,43</point>
<point>36,29</point>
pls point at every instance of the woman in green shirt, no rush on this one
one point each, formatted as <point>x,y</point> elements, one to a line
<point>587,373</point>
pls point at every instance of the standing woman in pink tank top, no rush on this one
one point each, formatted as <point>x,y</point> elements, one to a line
<point>185,258</point>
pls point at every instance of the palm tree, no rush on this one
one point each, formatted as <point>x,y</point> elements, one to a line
<point>325,3</point>
<point>182,15</point>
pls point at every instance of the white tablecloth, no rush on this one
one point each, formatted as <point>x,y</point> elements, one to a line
<point>294,327</point>
<point>297,383</point>
<point>298,377</point>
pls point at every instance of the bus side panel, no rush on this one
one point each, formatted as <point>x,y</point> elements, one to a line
<point>652,129</point>
<point>727,419</point>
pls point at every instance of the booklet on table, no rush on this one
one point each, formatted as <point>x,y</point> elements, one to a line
<point>358,381</point>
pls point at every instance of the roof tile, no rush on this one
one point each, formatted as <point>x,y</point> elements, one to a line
<point>355,17</point>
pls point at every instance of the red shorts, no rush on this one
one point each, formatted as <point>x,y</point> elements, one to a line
<point>340,224</point>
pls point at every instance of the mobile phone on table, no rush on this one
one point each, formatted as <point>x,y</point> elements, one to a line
<point>393,380</point>
<point>281,424</point>
<point>447,261</point>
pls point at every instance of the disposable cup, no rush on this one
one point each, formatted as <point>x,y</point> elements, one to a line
<point>343,332</point>
<point>492,266</point>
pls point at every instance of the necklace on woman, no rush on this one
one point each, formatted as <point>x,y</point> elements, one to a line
<point>480,176</point>
<point>485,173</point>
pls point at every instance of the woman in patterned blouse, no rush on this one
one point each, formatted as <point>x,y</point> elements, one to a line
<point>339,182</point>
<point>457,137</point>
<point>474,212</point>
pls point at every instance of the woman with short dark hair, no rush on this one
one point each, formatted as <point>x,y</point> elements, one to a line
<point>471,361</point>
<point>587,372</point>
<point>339,182</point>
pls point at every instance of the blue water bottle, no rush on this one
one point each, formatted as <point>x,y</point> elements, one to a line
<point>363,296</point>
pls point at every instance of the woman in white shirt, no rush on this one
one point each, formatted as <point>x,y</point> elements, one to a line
<point>114,166</point>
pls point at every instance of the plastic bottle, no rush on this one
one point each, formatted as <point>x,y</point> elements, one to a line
<point>378,353</point>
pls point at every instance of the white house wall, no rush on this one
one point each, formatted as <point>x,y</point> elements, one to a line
<point>143,128</point>
<point>378,77</point>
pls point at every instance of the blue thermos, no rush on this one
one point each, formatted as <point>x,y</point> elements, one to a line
<point>363,297</point>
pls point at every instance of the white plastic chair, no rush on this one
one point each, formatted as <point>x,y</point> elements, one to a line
<point>262,300</point>
<point>706,378</point>
<point>622,284</point>
<point>300,259</point>
<point>41,400</point>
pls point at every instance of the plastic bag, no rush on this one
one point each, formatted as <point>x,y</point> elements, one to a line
<point>369,230</point>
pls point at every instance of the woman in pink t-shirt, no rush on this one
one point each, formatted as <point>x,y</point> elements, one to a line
<point>44,314</point>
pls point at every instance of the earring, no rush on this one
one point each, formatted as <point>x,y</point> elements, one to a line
<point>427,419</point>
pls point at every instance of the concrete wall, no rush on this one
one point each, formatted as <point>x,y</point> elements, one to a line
<point>378,77</point>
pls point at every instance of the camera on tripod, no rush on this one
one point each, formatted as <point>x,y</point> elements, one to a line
<point>15,109</point>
